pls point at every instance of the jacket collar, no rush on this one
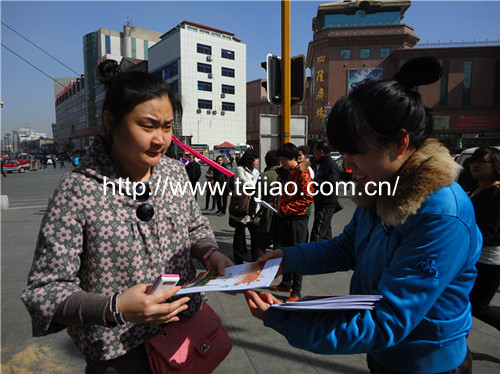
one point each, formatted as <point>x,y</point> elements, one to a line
<point>426,171</point>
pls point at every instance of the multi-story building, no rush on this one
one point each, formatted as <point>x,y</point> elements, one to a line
<point>207,67</point>
<point>78,115</point>
<point>354,40</point>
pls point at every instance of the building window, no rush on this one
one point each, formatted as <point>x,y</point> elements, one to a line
<point>365,53</point>
<point>170,71</point>
<point>443,89</point>
<point>467,83</point>
<point>108,43</point>
<point>228,106</point>
<point>228,72</point>
<point>227,89</point>
<point>385,52</point>
<point>145,49</point>
<point>225,53</point>
<point>175,85</point>
<point>134,49</point>
<point>203,48</point>
<point>204,68</point>
<point>204,86</point>
<point>204,104</point>
<point>345,54</point>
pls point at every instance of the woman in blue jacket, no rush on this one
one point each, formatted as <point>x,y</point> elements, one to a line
<point>415,244</point>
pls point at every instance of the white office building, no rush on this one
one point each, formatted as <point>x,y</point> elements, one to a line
<point>207,67</point>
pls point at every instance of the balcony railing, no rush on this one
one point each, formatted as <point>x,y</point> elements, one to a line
<point>452,44</point>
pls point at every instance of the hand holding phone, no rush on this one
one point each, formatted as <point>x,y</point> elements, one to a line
<point>164,282</point>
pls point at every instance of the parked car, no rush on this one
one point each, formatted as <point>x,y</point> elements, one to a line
<point>15,165</point>
<point>335,155</point>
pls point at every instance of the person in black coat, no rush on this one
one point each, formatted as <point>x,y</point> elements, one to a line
<point>193,170</point>
<point>325,203</point>
<point>222,192</point>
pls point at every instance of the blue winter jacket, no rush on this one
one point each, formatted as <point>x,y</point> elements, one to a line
<point>419,255</point>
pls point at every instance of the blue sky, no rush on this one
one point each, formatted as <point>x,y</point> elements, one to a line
<point>59,26</point>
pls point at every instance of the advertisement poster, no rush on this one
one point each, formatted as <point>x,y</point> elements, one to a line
<point>357,76</point>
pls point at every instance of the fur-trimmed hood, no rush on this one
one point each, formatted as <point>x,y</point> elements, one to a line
<point>427,170</point>
<point>304,165</point>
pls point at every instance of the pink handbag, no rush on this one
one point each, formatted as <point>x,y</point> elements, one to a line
<point>195,345</point>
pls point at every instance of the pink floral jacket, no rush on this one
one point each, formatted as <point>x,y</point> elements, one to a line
<point>93,242</point>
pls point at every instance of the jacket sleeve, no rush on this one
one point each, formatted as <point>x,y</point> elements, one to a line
<point>54,272</point>
<point>327,256</point>
<point>302,199</point>
<point>423,267</point>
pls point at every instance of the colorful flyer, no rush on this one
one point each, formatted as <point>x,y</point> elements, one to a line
<point>237,278</point>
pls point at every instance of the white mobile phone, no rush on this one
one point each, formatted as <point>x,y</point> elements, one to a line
<point>164,282</point>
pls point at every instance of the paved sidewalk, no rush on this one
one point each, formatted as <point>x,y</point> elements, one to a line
<point>256,349</point>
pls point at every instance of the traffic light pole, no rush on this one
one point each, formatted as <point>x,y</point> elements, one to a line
<point>285,72</point>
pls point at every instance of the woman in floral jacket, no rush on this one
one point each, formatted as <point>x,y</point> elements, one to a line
<point>104,241</point>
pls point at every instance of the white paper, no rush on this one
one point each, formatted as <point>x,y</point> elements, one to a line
<point>264,204</point>
<point>322,303</point>
<point>237,278</point>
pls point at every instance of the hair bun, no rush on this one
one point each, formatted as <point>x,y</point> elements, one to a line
<point>108,70</point>
<point>420,71</point>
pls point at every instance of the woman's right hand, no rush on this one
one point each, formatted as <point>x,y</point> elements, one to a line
<point>277,253</point>
<point>138,307</point>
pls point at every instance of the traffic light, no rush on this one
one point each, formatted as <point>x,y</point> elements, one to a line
<point>273,84</point>
<point>298,78</point>
<point>273,76</point>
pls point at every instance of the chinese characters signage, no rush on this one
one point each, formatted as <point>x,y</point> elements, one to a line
<point>320,97</point>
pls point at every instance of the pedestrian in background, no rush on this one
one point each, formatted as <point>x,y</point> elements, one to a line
<point>209,176</point>
<point>304,157</point>
<point>293,205</point>
<point>485,169</point>
<point>416,246</point>
<point>97,254</point>
<point>221,187</point>
<point>193,170</point>
<point>266,229</point>
<point>325,200</point>
<point>246,174</point>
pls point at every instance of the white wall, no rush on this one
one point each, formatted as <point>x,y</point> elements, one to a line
<point>211,129</point>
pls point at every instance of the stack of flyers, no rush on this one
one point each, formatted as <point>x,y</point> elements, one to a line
<point>322,303</point>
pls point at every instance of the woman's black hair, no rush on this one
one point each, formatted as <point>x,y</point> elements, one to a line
<point>385,109</point>
<point>304,149</point>
<point>289,151</point>
<point>322,145</point>
<point>126,90</point>
<point>494,156</point>
<point>248,158</point>
<point>271,158</point>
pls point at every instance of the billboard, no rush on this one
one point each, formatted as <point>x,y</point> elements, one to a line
<point>356,76</point>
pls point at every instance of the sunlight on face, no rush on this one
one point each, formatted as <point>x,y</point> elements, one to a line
<point>143,137</point>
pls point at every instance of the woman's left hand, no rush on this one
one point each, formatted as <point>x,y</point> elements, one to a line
<point>260,303</point>
<point>218,261</point>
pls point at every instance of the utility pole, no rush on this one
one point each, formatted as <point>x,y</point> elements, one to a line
<point>285,72</point>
